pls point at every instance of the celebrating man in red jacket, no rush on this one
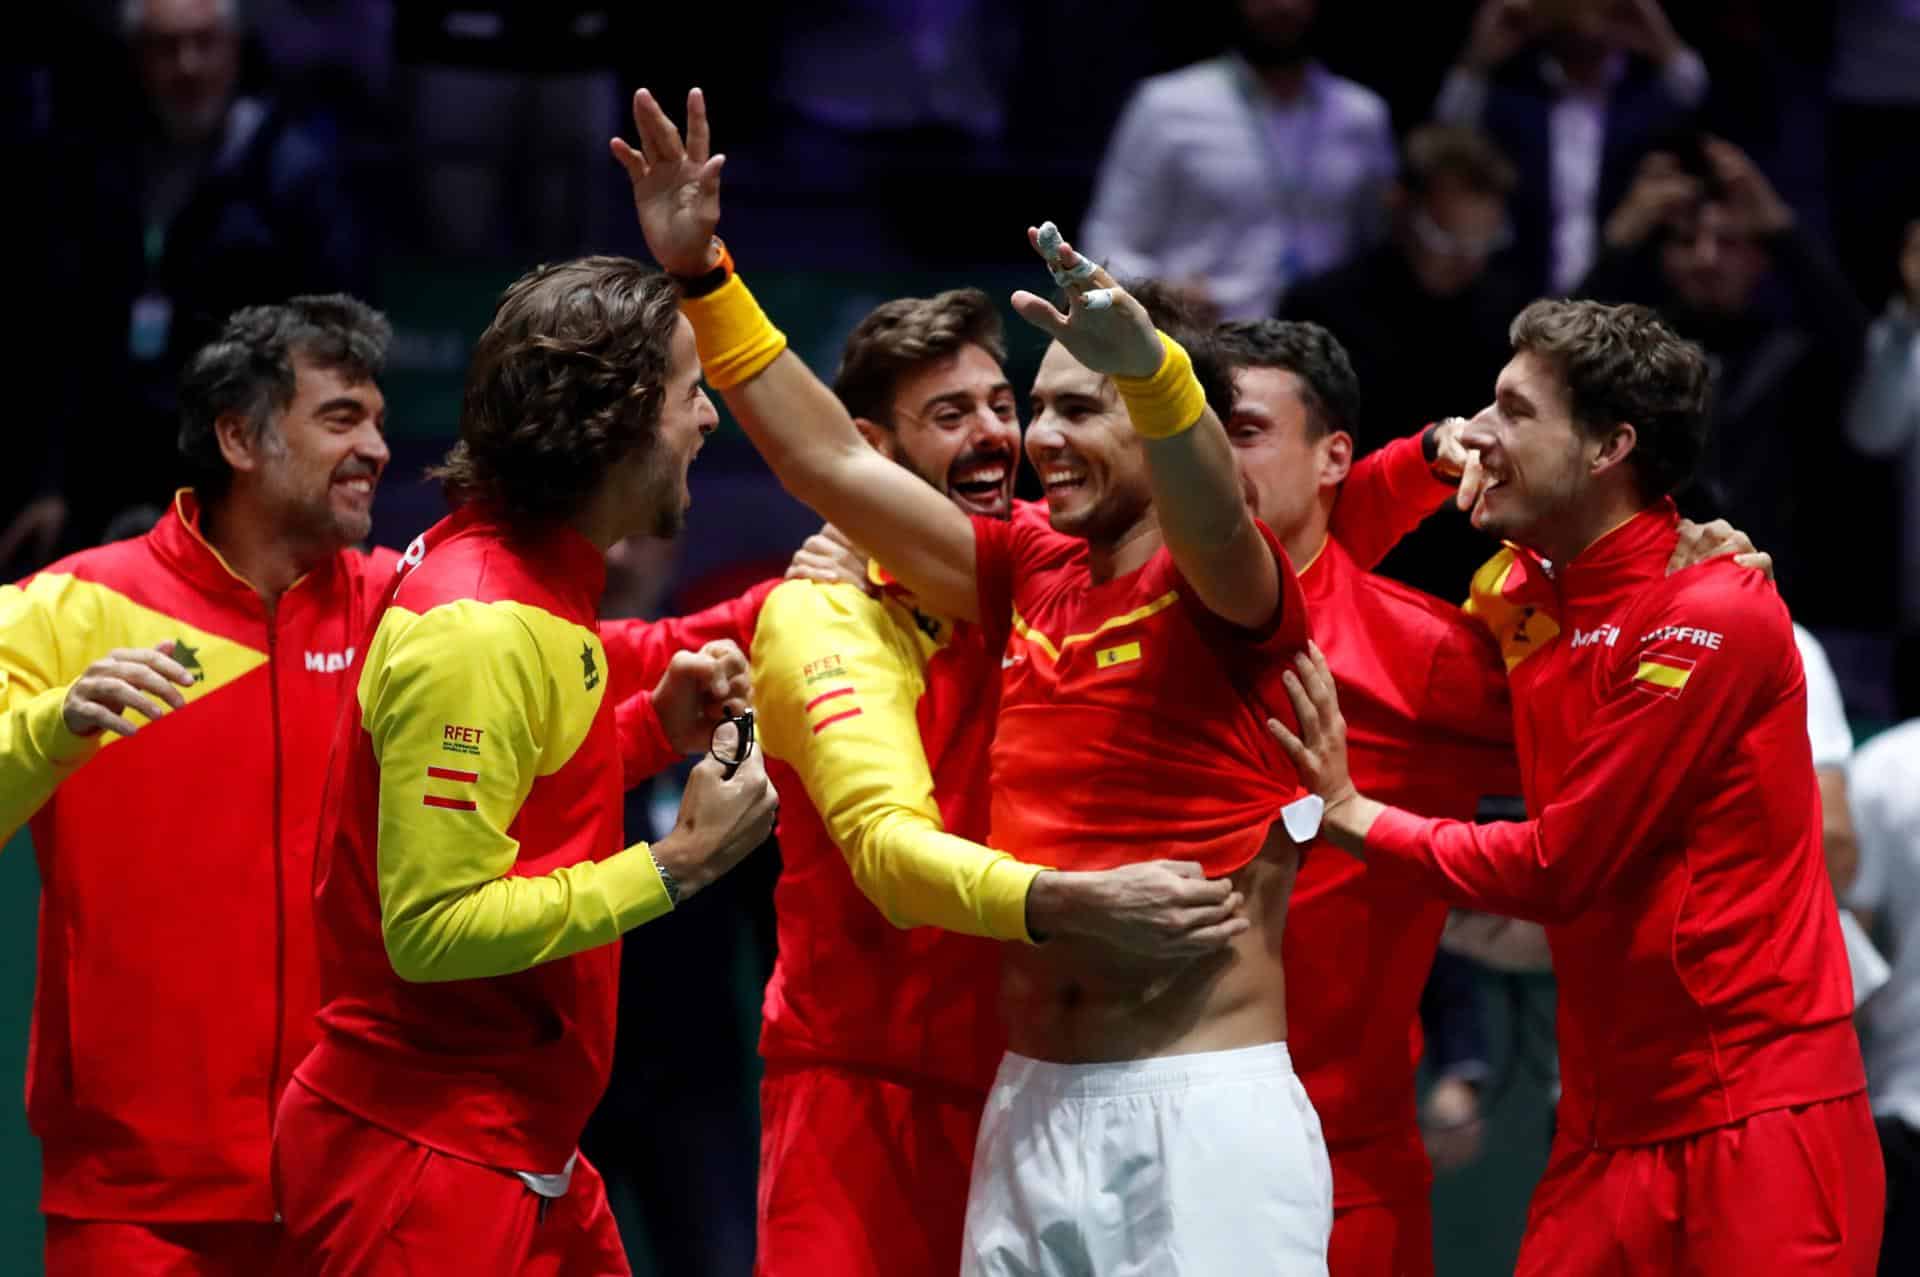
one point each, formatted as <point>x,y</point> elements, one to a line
<point>1714,1118</point>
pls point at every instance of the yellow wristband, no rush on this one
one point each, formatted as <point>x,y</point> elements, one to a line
<point>734,337</point>
<point>1170,401</point>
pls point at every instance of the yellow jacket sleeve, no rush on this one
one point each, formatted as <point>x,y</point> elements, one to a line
<point>448,909</point>
<point>837,676</point>
<point>37,751</point>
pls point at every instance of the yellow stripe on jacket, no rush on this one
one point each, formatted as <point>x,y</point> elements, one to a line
<point>837,676</point>
<point>467,706</point>
<point>51,630</point>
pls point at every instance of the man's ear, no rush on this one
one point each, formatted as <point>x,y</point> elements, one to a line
<point>239,441</point>
<point>878,437</point>
<point>1336,459</point>
<point>1615,448</point>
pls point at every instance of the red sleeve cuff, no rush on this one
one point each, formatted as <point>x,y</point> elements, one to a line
<point>1401,837</point>
<point>644,748</point>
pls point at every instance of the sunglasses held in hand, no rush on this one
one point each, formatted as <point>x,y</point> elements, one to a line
<point>742,747</point>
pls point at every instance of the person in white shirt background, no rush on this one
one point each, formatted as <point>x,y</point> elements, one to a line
<point>1236,177</point>
<point>1884,781</point>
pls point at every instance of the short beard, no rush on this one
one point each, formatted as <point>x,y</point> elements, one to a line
<point>663,498</point>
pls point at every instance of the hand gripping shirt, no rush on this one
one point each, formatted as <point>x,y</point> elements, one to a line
<point>1673,850</point>
<point>1429,728</point>
<point>176,981</point>
<point>471,873</point>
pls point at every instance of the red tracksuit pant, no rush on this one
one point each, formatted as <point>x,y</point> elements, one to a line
<point>1798,1190</point>
<point>360,1201</point>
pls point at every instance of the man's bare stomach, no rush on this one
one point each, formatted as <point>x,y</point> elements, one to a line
<point>1072,1002</point>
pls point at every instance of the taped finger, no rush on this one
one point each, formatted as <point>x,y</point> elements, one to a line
<point>1098,299</point>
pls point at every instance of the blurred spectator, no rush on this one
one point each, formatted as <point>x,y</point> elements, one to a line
<point>1832,741</point>
<point>1886,814</point>
<point>1706,239</point>
<point>879,66</point>
<point>1575,92</point>
<point>510,107</point>
<point>1768,95</point>
<point>207,200</point>
<point>1885,422</point>
<point>1873,147</point>
<point>1455,1026</point>
<point>1424,317</point>
<point>1237,177</point>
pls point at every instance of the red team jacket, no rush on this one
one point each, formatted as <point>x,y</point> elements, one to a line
<point>502,1070</point>
<point>176,985</point>
<point>1674,848</point>
<point>1429,728</point>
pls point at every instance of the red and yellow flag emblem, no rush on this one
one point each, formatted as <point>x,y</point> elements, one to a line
<point>1661,674</point>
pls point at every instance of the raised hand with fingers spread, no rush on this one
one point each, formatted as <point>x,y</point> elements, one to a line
<point>1103,327</point>
<point>676,184</point>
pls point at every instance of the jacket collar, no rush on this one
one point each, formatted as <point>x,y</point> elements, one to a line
<point>1623,560</point>
<point>565,562</point>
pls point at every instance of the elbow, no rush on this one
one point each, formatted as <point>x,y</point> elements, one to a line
<point>412,955</point>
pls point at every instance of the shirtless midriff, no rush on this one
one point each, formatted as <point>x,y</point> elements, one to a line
<point>1074,1002</point>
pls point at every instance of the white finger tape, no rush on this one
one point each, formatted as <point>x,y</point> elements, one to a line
<point>1098,299</point>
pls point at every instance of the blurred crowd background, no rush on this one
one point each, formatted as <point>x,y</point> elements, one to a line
<point>1407,174</point>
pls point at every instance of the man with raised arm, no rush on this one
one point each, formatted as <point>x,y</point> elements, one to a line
<point>1144,619</point>
<point>1714,1117</point>
<point>880,1026</point>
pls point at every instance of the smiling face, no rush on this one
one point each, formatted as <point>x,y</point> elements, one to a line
<point>1536,457</point>
<point>315,465</point>
<point>1090,462</point>
<point>954,424</point>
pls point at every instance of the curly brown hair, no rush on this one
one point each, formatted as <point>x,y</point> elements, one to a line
<point>567,380</point>
<point>899,337</point>
<point>1623,364</point>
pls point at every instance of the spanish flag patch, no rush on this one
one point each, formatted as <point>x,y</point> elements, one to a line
<point>1109,656</point>
<point>1661,674</point>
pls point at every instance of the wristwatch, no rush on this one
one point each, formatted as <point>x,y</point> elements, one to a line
<point>666,880</point>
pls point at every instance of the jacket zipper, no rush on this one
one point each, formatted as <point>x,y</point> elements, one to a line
<point>279,874</point>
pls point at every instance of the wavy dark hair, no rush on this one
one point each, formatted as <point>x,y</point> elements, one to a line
<point>248,368</point>
<point>899,337</point>
<point>566,381</point>
<point>1623,364</point>
<point>1312,354</point>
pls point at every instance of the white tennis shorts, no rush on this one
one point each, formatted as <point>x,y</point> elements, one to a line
<point>1190,1165</point>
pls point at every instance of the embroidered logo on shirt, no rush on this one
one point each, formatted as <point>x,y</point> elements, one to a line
<point>1662,675</point>
<point>591,674</point>
<point>826,669</point>
<point>456,739</point>
<point>1107,657</point>
<point>1709,639</point>
<point>188,657</point>
<point>831,707</point>
<point>329,662</point>
<point>929,625</point>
